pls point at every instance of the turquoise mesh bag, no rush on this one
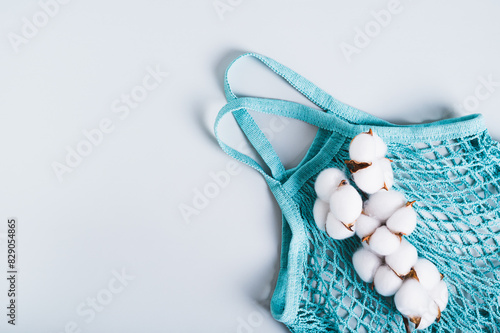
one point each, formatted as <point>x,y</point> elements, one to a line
<point>452,169</point>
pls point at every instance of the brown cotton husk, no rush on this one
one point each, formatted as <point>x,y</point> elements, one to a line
<point>416,321</point>
<point>354,166</point>
<point>412,275</point>
<point>348,226</point>
<point>410,203</point>
<point>367,239</point>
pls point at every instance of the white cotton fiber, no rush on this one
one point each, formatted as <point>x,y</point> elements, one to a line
<point>387,173</point>
<point>440,295</point>
<point>383,242</point>
<point>403,221</point>
<point>412,300</point>
<point>328,180</point>
<point>336,229</point>
<point>428,317</point>
<point>370,148</point>
<point>362,148</point>
<point>383,204</point>
<point>366,264</point>
<point>427,273</point>
<point>346,204</point>
<point>386,281</point>
<point>417,301</point>
<point>380,146</point>
<point>402,260</point>
<point>320,212</point>
<point>370,179</point>
<point>366,225</point>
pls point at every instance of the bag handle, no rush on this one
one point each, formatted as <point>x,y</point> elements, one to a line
<point>239,109</point>
<point>260,142</point>
<point>302,85</point>
<point>313,93</point>
<point>336,111</point>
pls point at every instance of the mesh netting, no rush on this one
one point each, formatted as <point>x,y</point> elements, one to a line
<point>456,184</point>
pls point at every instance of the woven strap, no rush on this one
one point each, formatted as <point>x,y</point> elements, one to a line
<point>312,92</point>
<point>239,107</point>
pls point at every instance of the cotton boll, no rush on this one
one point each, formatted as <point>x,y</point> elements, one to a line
<point>412,300</point>
<point>328,180</point>
<point>337,229</point>
<point>387,172</point>
<point>320,212</point>
<point>383,242</point>
<point>362,148</point>
<point>346,204</point>
<point>370,179</point>
<point>402,260</point>
<point>366,264</point>
<point>428,317</point>
<point>380,146</point>
<point>439,294</point>
<point>386,281</point>
<point>371,170</point>
<point>383,204</point>
<point>366,225</point>
<point>427,273</point>
<point>403,221</point>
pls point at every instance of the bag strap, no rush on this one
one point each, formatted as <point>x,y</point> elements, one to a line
<point>313,93</point>
<point>304,86</point>
<point>239,107</point>
<point>260,142</point>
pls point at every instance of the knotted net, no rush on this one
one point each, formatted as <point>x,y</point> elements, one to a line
<point>456,184</point>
